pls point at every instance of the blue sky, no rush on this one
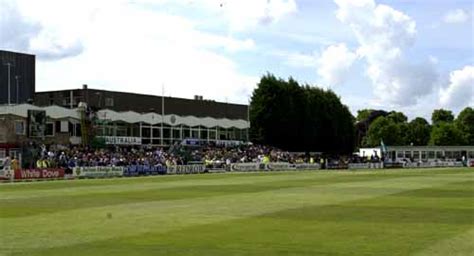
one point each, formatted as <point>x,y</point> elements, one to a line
<point>407,55</point>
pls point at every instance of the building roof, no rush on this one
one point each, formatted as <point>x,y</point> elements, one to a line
<point>152,118</point>
<point>141,103</point>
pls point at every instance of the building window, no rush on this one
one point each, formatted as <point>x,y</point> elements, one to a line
<point>416,155</point>
<point>439,154</point>
<point>146,133</point>
<point>204,134</point>
<point>471,154</point>
<point>49,129</point>
<point>166,133</point>
<point>399,154</point>
<point>109,102</point>
<point>408,154</point>
<point>212,134</point>
<point>20,127</point>
<point>156,133</point>
<point>186,132</point>
<point>448,154</point>
<point>176,133</point>
<point>431,154</point>
<point>195,133</point>
<point>423,155</point>
<point>78,130</point>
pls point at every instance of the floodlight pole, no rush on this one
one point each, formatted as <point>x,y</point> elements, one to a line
<point>8,64</point>
<point>162,113</point>
<point>17,78</point>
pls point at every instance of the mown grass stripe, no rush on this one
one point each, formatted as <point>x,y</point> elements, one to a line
<point>90,224</point>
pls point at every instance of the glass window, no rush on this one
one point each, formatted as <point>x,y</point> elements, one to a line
<point>166,132</point>
<point>416,155</point>
<point>431,154</point>
<point>186,133</point>
<point>407,154</point>
<point>471,154</point>
<point>448,154</point>
<point>399,154</point>
<point>146,133</point>
<point>194,133</point>
<point>49,129</point>
<point>20,127</point>
<point>204,134</point>
<point>212,134</point>
<point>78,130</point>
<point>423,155</point>
<point>176,133</point>
<point>222,134</point>
<point>457,154</point>
<point>156,133</point>
<point>439,154</point>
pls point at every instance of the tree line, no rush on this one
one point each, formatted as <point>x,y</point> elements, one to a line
<point>444,130</point>
<point>300,117</point>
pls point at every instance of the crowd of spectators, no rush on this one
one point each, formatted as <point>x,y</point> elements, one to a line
<point>68,157</point>
<point>50,156</point>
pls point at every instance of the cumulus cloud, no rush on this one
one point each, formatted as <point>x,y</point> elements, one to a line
<point>385,35</point>
<point>460,91</point>
<point>246,14</point>
<point>335,63</point>
<point>148,49</point>
<point>25,34</point>
<point>16,30</point>
<point>238,15</point>
<point>456,16</point>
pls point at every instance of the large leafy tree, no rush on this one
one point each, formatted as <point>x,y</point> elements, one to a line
<point>363,114</point>
<point>384,129</point>
<point>299,118</point>
<point>417,132</point>
<point>446,134</point>
<point>465,124</point>
<point>441,115</point>
<point>397,117</point>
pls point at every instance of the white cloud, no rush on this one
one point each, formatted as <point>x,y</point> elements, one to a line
<point>335,63</point>
<point>385,35</point>
<point>16,30</point>
<point>128,48</point>
<point>23,32</point>
<point>296,59</point>
<point>238,15</point>
<point>456,16</point>
<point>460,91</point>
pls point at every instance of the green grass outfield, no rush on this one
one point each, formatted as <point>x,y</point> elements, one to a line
<point>386,212</point>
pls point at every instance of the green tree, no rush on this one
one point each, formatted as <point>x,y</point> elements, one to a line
<point>465,124</point>
<point>417,132</point>
<point>384,128</point>
<point>446,134</point>
<point>397,117</point>
<point>442,115</point>
<point>299,118</point>
<point>363,114</point>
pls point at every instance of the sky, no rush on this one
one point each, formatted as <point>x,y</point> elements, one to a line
<point>405,55</point>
